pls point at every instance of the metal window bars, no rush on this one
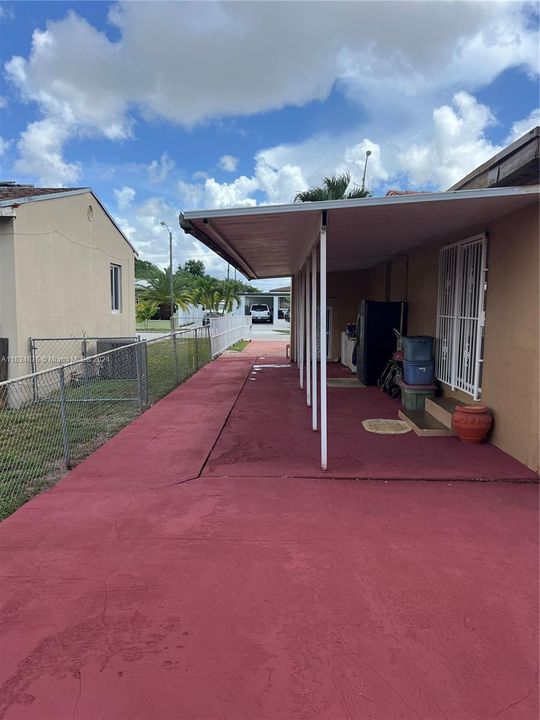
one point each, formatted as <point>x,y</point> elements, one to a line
<point>461,314</point>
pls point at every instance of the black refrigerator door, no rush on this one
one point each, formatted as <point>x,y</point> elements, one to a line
<point>361,342</point>
<point>377,340</point>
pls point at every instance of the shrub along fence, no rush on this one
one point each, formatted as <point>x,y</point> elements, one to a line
<point>52,419</point>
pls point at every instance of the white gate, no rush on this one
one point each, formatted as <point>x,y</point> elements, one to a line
<point>461,314</point>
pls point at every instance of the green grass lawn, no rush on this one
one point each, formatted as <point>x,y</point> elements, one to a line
<point>154,325</point>
<point>239,346</point>
<point>98,405</point>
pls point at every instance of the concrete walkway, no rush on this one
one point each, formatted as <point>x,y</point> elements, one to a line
<point>141,588</point>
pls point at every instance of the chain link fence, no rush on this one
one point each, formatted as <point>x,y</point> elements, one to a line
<point>50,352</point>
<point>50,420</point>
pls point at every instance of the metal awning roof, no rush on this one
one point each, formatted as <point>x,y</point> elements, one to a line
<point>273,240</point>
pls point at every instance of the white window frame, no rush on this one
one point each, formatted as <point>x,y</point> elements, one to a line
<point>461,314</point>
<point>115,273</point>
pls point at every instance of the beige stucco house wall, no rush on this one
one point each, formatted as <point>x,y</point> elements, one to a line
<point>55,259</point>
<point>343,291</point>
<point>510,386</point>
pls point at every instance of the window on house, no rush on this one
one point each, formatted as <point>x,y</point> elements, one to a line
<point>116,288</point>
<point>461,314</point>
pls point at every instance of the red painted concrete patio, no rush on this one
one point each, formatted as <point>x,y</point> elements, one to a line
<point>161,580</point>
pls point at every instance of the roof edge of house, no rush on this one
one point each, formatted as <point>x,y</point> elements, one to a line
<point>188,216</point>
<point>497,158</point>
<point>69,193</point>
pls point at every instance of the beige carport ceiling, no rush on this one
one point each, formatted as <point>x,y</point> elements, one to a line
<point>273,241</point>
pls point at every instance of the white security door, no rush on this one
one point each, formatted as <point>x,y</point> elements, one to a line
<point>461,314</point>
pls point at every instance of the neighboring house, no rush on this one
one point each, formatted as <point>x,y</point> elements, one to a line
<point>66,269</point>
<point>278,301</point>
<point>466,261</point>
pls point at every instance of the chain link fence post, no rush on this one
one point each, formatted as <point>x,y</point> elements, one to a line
<point>33,368</point>
<point>63,416</point>
<point>140,377</point>
<point>175,353</point>
<point>84,353</point>
<point>196,348</point>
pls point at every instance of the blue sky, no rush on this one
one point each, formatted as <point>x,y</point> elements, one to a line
<point>168,106</point>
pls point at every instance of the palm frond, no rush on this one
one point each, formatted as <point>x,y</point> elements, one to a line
<point>333,187</point>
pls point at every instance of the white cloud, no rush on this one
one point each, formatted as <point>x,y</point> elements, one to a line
<point>159,170</point>
<point>234,194</point>
<point>124,197</point>
<point>521,127</point>
<point>229,163</point>
<point>3,102</point>
<point>279,183</point>
<point>6,12</point>
<point>4,145</point>
<point>395,61</point>
<point>452,142</point>
<point>142,225</point>
<point>40,154</point>
<point>212,194</point>
<point>456,145</point>
<point>128,229</point>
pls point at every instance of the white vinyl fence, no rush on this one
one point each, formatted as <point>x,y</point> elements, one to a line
<point>228,330</point>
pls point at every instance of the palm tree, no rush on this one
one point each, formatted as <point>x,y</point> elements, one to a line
<point>154,285</point>
<point>145,311</point>
<point>333,187</point>
<point>229,295</point>
<point>207,293</point>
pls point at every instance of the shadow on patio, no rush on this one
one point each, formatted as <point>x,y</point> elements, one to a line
<point>268,433</point>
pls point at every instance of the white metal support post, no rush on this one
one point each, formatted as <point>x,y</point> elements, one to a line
<point>481,318</point>
<point>322,324</point>
<point>294,312</point>
<point>314,407</point>
<point>301,331</point>
<point>308,332</point>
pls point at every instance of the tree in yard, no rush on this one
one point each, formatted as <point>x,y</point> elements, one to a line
<point>333,187</point>
<point>206,292</point>
<point>230,295</point>
<point>155,287</point>
<point>145,311</point>
<point>194,267</point>
<point>142,268</point>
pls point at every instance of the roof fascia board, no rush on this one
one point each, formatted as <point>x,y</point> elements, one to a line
<point>499,157</point>
<point>215,242</point>
<point>362,202</point>
<point>311,242</point>
<point>47,196</point>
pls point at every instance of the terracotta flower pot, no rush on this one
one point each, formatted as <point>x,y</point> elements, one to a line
<point>472,422</point>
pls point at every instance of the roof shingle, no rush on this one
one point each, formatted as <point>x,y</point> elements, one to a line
<point>19,192</point>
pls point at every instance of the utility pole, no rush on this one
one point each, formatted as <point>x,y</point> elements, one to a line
<point>171,283</point>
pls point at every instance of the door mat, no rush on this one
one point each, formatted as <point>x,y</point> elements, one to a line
<point>344,382</point>
<point>386,427</point>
